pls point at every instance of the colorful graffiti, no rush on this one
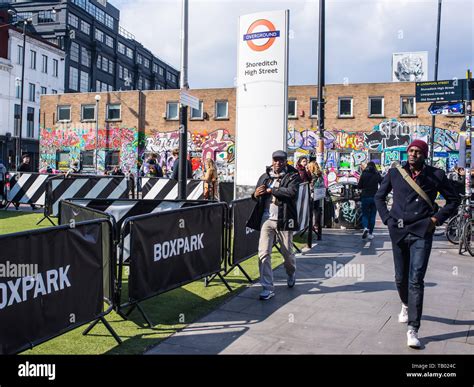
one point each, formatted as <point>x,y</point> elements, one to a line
<point>84,138</point>
<point>218,146</point>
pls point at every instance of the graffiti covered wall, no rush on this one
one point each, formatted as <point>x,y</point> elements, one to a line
<point>74,139</point>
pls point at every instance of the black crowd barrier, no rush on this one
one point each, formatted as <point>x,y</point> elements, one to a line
<point>161,188</point>
<point>244,240</point>
<point>173,248</point>
<point>53,283</point>
<point>29,188</point>
<point>226,192</point>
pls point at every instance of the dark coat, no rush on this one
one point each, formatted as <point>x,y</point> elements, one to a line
<point>412,208</point>
<point>24,167</point>
<point>189,170</point>
<point>369,182</point>
<point>286,194</point>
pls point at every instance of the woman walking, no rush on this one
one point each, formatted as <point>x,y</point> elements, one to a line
<point>210,180</point>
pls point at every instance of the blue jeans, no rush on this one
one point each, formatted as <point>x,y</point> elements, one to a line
<point>411,256</point>
<point>369,213</point>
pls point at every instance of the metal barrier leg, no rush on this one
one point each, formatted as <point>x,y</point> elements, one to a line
<point>245,274</point>
<point>45,217</point>
<point>148,321</point>
<point>107,325</point>
<point>225,282</point>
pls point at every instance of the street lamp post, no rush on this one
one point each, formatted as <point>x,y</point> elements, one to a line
<point>96,156</point>
<point>20,134</point>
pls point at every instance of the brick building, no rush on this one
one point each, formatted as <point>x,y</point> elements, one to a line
<point>363,122</point>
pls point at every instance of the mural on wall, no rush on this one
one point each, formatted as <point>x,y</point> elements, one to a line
<point>217,145</point>
<point>67,138</point>
<point>388,140</point>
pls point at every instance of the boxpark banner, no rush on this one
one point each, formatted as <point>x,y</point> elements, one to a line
<point>172,248</point>
<point>245,239</point>
<point>51,281</point>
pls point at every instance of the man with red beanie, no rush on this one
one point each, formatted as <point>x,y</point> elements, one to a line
<point>411,223</point>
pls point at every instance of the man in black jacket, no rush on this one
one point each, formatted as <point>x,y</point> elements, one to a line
<point>369,184</point>
<point>411,223</point>
<point>275,214</point>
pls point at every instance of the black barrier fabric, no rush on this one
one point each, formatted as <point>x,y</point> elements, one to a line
<point>245,239</point>
<point>173,248</point>
<point>72,212</point>
<point>226,192</point>
<point>59,289</point>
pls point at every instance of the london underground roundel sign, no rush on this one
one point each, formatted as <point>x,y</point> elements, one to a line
<point>265,39</point>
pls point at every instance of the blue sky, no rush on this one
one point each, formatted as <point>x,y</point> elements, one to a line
<point>360,36</point>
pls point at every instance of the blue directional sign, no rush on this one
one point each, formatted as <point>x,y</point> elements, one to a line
<point>446,108</point>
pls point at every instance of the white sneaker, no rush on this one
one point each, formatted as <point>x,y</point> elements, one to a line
<point>412,339</point>
<point>266,295</point>
<point>403,316</point>
<point>371,236</point>
<point>365,233</point>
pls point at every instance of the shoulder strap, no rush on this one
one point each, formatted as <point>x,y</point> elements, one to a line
<point>415,186</point>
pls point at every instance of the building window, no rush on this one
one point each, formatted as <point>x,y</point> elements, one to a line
<point>345,107</point>
<point>74,53</point>
<point>88,112</point>
<point>44,90</point>
<point>20,55</point>
<point>33,60</point>
<point>198,114</point>
<point>54,91</point>
<point>161,71</point>
<point>99,35</point>
<point>85,27</point>
<point>85,57</point>
<point>146,63</point>
<point>173,78</point>
<point>129,53</point>
<point>30,122</point>
<point>18,89</point>
<point>222,110</point>
<point>46,17</point>
<point>73,78</point>
<point>407,106</point>
<point>64,113</point>
<point>32,93</point>
<point>168,76</point>
<point>16,118</point>
<point>121,48</point>
<point>155,68</point>
<point>172,110</point>
<point>313,107</point>
<point>102,86</point>
<point>55,68</point>
<point>73,20</point>
<point>109,41</point>
<point>292,108</point>
<point>139,59</point>
<point>45,64</point>
<point>84,88</point>
<point>113,112</point>
<point>376,106</point>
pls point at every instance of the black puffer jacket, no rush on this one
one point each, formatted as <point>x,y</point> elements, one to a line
<point>286,194</point>
<point>369,182</point>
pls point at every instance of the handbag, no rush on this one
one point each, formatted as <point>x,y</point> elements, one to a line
<point>319,193</point>
<point>415,186</point>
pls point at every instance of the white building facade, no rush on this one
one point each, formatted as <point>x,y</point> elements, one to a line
<point>44,74</point>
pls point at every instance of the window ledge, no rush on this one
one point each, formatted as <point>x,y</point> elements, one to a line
<point>171,119</point>
<point>409,115</point>
<point>196,119</point>
<point>313,116</point>
<point>222,119</point>
<point>114,120</point>
<point>87,120</point>
<point>345,117</point>
<point>63,121</point>
<point>376,116</point>
<point>292,117</point>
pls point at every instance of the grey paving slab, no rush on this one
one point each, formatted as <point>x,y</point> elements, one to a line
<point>336,314</point>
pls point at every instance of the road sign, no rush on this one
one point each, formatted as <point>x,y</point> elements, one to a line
<point>440,91</point>
<point>189,100</point>
<point>446,108</point>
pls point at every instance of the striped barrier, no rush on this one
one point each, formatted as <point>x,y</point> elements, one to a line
<point>79,187</point>
<point>30,188</point>
<point>167,189</point>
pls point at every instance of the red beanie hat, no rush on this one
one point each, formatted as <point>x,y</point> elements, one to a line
<point>420,144</point>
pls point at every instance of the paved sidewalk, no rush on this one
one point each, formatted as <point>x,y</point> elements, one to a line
<point>327,314</point>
